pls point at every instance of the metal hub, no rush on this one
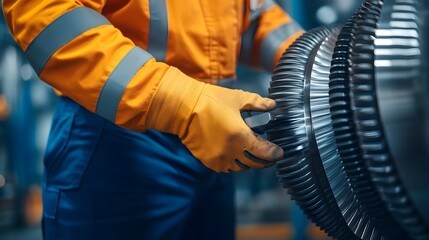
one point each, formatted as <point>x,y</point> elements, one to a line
<point>352,117</point>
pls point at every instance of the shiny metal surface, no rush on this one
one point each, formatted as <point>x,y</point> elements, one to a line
<point>352,116</point>
<point>372,60</point>
<point>344,128</point>
<point>312,170</point>
<point>258,123</point>
<point>400,86</point>
<point>353,212</point>
<point>376,153</point>
<point>302,171</point>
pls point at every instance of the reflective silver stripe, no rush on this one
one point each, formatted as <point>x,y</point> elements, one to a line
<point>158,29</point>
<point>61,31</point>
<point>247,40</point>
<point>272,42</point>
<point>254,14</point>
<point>117,82</point>
<point>253,4</point>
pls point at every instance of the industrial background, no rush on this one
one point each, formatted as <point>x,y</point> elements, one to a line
<point>264,209</point>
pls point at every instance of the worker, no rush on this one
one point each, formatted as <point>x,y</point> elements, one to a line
<point>142,138</point>
<point>4,108</point>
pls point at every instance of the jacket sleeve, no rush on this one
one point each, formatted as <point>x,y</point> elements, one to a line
<point>75,49</point>
<point>269,33</point>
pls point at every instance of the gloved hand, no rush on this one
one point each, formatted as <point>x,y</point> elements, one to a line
<point>207,119</point>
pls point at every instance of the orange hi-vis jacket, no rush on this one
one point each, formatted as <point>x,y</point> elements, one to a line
<point>110,55</point>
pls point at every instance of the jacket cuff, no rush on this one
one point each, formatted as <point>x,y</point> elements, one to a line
<point>173,103</point>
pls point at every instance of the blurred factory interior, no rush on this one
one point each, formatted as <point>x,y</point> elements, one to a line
<point>264,209</point>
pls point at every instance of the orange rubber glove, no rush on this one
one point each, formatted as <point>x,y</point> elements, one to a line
<point>207,119</point>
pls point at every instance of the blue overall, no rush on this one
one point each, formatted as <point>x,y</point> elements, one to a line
<point>104,182</point>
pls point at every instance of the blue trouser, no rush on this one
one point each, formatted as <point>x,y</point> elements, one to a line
<point>105,182</point>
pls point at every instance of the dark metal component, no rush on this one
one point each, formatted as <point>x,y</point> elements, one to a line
<point>400,97</point>
<point>376,151</point>
<point>345,103</point>
<point>351,208</point>
<point>259,122</point>
<point>312,170</point>
<point>347,140</point>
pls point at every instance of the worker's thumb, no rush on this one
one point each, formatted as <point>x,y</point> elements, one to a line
<point>262,151</point>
